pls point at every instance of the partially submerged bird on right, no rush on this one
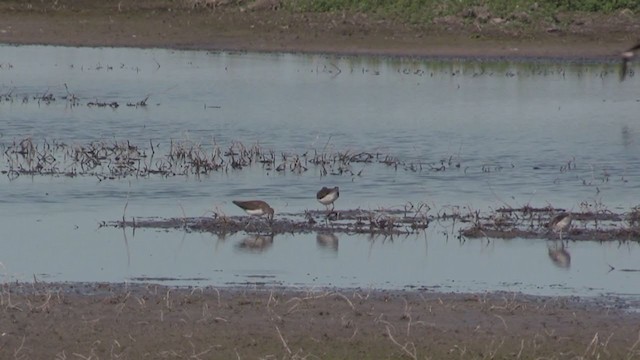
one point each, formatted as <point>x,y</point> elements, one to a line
<point>327,196</point>
<point>627,57</point>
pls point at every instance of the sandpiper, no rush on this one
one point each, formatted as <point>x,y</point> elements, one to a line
<point>327,196</point>
<point>560,223</point>
<point>628,56</point>
<point>255,208</point>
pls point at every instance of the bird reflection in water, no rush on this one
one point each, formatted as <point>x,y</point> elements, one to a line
<point>559,255</point>
<point>327,241</point>
<point>627,136</point>
<point>255,243</point>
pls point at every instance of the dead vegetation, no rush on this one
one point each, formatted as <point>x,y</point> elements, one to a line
<point>113,159</point>
<point>109,160</point>
<point>69,99</point>
<point>382,222</point>
<point>593,223</point>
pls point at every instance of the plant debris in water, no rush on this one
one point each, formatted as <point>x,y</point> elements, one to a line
<point>69,99</point>
<point>120,159</point>
<point>526,222</point>
<point>378,222</point>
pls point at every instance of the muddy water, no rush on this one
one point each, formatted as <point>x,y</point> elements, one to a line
<point>523,133</point>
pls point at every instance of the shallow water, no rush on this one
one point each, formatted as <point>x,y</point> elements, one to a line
<point>513,127</point>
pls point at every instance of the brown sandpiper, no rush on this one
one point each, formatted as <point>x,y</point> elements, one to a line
<point>627,57</point>
<point>327,196</point>
<point>560,223</point>
<point>255,208</point>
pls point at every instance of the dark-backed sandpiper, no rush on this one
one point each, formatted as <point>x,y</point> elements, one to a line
<point>327,196</point>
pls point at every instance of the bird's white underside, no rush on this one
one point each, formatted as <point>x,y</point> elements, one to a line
<point>256,212</point>
<point>328,199</point>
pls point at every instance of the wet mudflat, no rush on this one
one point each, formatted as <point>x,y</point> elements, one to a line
<point>151,321</point>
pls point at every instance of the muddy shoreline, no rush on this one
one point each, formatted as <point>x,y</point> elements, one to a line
<point>178,25</point>
<point>133,321</point>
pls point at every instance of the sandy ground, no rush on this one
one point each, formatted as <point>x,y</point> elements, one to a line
<point>98,321</point>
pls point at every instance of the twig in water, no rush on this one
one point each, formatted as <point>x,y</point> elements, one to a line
<point>327,144</point>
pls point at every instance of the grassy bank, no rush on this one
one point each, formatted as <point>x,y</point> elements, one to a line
<point>407,9</point>
<point>526,14</point>
<point>527,28</point>
<point>523,16</point>
<point>415,11</point>
<point>424,12</point>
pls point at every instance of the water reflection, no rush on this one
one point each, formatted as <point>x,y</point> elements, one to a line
<point>255,243</point>
<point>559,255</point>
<point>627,136</point>
<point>327,241</point>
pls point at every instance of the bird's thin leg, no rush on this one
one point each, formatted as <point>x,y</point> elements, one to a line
<point>270,224</point>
